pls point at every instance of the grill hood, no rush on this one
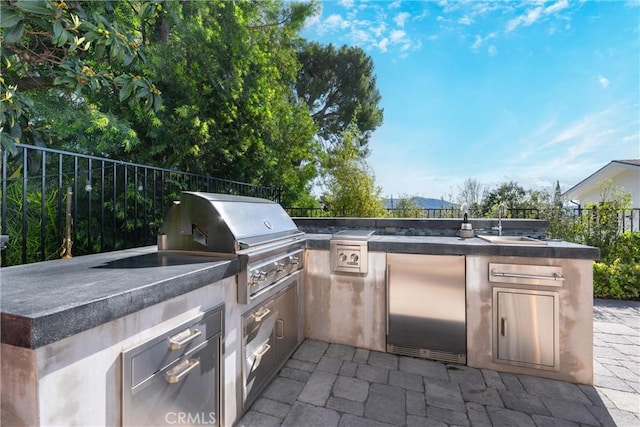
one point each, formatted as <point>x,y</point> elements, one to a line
<point>224,223</point>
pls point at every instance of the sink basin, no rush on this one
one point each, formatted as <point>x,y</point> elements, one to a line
<point>513,240</point>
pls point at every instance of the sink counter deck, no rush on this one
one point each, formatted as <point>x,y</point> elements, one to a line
<point>442,245</point>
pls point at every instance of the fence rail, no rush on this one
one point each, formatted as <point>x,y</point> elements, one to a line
<point>114,204</point>
<point>628,219</point>
<point>117,205</point>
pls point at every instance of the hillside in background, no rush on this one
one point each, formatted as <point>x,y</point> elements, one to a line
<point>422,202</point>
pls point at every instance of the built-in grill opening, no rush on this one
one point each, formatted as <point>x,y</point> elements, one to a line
<point>349,251</point>
<point>258,231</point>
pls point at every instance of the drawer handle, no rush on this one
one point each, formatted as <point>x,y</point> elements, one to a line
<point>177,341</point>
<point>177,373</point>
<point>261,352</point>
<point>261,314</point>
<point>503,326</point>
<point>553,276</point>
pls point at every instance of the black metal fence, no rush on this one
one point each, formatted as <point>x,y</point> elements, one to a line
<point>114,204</point>
<point>628,219</point>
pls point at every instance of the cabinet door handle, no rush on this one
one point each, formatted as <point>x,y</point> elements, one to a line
<point>279,329</point>
<point>182,338</point>
<point>181,370</point>
<point>503,326</point>
<point>261,314</point>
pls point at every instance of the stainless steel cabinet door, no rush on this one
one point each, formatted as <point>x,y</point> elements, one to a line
<point>526,327</point>
<point>286,327</point>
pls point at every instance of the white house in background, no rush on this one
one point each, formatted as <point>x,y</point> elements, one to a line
<point>624,174</point>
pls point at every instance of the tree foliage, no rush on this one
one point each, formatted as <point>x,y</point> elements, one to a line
<point>599,225</point>
<point>472,192</point>
<point>512,195</point>
<point>339,88</point>
<point>243,96</point>
<point>79,47</point>
<point>351,189</point>
<point>406,207</point>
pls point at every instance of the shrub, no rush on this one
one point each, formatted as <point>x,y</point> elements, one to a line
<point>618,275</point>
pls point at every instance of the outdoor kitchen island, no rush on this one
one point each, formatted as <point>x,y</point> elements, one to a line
<point>65,323</point>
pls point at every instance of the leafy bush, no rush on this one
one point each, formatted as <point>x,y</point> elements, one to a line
<point>618,275</point>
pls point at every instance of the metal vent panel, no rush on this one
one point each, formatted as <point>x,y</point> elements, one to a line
<point>424,353</point>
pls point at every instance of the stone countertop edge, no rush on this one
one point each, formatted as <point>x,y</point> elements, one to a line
<point>32,323</point>
<point>436,245</point>
<point>46,322</point>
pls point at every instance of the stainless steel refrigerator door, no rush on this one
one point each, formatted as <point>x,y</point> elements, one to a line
<point>427,302</point>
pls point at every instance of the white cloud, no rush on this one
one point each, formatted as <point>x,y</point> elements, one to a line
<point>383,44</point>
<point>492,50</point>
<point>534,15</point>
<point>396,4</point>
<point>360,36</point>
<point>401,18</point>
<point>346,3</point>
<point>479,40</point>
<point>397,35</point>
<point>527,19</point>
<point>336,22</point>
<point>465,20</point>
<point>604,82</point>
<point>477,43</point>
<point>562,4</point>
<point>378,30</point>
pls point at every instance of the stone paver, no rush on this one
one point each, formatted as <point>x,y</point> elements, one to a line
<point>317,390</point>
<point>386,404</point>
<point>372,374</point>
<point>351,388</point>
<point>327,384</point>
<point>312,416</point>
<point>405,380</point>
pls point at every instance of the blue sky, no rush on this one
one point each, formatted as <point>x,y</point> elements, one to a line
<point>496,91</point>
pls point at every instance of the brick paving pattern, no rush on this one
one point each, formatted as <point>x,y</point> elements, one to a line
<point>328,385</point>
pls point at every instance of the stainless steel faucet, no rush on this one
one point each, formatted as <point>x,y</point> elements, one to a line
<point>501,211</point>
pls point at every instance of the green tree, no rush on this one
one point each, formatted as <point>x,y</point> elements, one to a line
<point>510,193</point>
<point>350,187</point>
<point>229,109</point>
<point>471,193</point>
<point>339,88</point>
<point>599,224</point>
<point>406,207</point>
<point>78,47</point>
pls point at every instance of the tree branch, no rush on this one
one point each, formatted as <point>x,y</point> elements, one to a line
<point>28,83</point>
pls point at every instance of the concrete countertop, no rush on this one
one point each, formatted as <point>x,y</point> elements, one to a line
<point>45,302</point>
<point>435,245</point>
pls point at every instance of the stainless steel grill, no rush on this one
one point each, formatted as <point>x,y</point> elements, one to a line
<point>258,231</point>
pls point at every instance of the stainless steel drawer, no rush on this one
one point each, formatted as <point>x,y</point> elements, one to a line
<point>174,378</point>
<point>165,349</point>
<point>185,392</point>
<point>259,347</point>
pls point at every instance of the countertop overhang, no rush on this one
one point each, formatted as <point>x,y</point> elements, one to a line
<point>48,301</point>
